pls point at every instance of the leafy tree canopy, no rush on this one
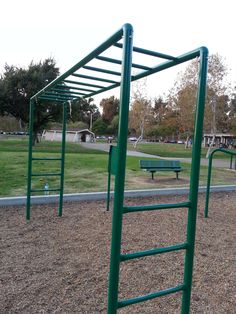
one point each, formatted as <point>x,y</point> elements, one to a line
<point>18,85</point>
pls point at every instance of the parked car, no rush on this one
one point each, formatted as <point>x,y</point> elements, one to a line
<point>133,139</point>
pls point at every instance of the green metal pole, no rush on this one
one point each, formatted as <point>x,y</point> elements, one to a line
<point>63,145</point>
<point>109,178</point>
<point>208,184</point>
<point>194,182</point>
<point>121,164</point>
<point>31,124</point>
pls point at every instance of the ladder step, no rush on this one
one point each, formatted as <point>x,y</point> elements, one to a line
<point>43,190</point>
<point>131,209</point>
<point>45,174</point>
<point>177,247</point>
<point>150,296</point>
<point>48,159</point>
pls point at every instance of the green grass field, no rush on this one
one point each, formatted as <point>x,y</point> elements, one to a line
<point>171,150</point>
<point>86,170</point>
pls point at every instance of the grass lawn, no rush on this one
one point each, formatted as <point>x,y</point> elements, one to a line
<point>171,150</point>
<point>85,169</point>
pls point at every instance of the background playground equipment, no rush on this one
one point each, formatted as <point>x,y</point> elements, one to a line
<point>112,168</point>
<point>67,87</point>
<point>222,150</point>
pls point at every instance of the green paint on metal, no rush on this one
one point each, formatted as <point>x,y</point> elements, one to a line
<point>177,247</point>
<point>62,158</point>
<point>194,181</point>
<point>151,296</point>
<point>222,150</point>
<point>120,179</point>
<point>112,169</point>
<point>31,123</point>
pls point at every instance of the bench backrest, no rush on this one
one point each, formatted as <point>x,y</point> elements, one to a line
<point>149,164</point>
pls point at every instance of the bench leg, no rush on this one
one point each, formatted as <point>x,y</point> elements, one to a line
<point>177,175</point>
<point>152,175</point>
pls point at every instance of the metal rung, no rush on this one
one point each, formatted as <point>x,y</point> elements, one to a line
<point>149,52</point>
<point>43,190</point>
<point>102,70</point>
<point>131,209</point>
<point>177,247</point>
<point>45,174</point>
<point>150,296</point>
<point>49,159</point>
<point>134,65</point>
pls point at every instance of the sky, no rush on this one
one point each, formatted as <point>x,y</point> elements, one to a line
<point>69,30</point>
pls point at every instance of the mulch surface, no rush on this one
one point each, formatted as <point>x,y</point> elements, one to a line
<point>61,265</point>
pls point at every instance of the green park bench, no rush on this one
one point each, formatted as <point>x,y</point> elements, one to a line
<point>161,165</point>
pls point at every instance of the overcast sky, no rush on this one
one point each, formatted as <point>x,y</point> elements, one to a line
<point>69,30</point>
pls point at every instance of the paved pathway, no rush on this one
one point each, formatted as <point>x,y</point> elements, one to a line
<point>220,163</point>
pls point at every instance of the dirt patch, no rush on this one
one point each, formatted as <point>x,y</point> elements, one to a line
<point>61,265</point>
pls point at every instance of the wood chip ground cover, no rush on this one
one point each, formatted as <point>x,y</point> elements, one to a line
<point>61,265</point>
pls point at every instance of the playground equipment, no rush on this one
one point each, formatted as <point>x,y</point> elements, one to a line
<point>222,150</point>
<point>112,168</point>
<point>67,87</point>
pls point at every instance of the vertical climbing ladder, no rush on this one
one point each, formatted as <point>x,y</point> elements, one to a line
<point>47,160</point>
<point>191,204</point>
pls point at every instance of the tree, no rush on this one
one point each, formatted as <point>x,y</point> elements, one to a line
<point>113,127</point>
<point>99,127</point>
<point>182,97</point>
<point>82,109</point>
<point>139,117</point>
<point>110,108</point>
<point>18,85</point>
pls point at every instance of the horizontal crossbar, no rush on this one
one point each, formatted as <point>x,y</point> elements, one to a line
<point>84,84</point>
<point>149,52</point>
<point>43,190</point>
<point>102,70</point>
<point>150,296</point>
<point>131,209</point>
<point>66,92</point>
<point>69,87</point>
<point>46,159</point>
<point>45,174</point>
<point>177,247</point>
<point>53,98</point>
<point>88,77</point>
<point>134,65</point>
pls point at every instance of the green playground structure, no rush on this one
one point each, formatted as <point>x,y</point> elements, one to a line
<point>79,82</point>
<point>224,151</point>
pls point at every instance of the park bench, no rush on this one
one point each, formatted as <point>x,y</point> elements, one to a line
<point>161,165</point>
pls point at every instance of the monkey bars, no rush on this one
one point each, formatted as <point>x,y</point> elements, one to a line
<point>97,73</point>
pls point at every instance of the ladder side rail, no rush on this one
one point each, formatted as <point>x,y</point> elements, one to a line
<point>63,146</point>
<point>30,150</point>
<point>121,165</point>
<point>194,181</point>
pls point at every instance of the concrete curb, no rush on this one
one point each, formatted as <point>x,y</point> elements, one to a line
<point>95,196</point>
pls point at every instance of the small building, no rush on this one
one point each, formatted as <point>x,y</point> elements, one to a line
<point>84,135</point>
<point>226,139</point>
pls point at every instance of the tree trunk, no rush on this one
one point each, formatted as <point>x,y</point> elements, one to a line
<point>140,137</point>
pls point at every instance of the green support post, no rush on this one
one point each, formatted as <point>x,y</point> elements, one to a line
<point>208,184</point>
<point>31,125</point>
<point>194,181</point>
<point>63,145</point>
<point>121,164</point>
<point>109,178</point>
